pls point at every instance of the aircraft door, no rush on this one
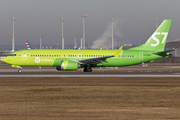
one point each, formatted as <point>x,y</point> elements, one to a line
<point>24,55</point>
<point>141,56</point>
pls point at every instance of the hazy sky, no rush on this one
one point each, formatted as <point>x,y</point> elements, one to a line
<point>134,20</point>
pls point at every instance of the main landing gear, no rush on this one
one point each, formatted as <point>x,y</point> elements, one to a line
<point>87,69</point>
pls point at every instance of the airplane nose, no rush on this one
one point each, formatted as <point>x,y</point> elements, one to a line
<point>5,60</point>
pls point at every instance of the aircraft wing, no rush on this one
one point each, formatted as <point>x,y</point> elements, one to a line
<point>163,52</point>
<point>97,60</point>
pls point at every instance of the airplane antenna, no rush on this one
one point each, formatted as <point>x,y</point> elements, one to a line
<point>62,20</point>
<point>83,16</point>
<point>13,35</point>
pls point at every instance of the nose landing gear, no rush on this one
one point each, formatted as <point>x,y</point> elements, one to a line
<point>20,70</point>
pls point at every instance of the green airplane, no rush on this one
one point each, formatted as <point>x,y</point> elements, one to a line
<point>73,59</point>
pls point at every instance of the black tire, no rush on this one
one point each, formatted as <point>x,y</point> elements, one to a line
<point>85,69</point>
<point>89,70</point>
<point>19,70</point>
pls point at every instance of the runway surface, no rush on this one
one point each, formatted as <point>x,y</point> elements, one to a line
<point>92,74</point>
<point>137,71</point>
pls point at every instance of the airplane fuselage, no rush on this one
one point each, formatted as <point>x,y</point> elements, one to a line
<point>54,57</point>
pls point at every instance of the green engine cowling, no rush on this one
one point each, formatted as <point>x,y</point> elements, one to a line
<point>68,65</point>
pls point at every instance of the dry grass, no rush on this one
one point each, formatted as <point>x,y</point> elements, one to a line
<point>90,98</point>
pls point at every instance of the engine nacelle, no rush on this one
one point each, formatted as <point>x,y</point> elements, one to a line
<point>68,65</point>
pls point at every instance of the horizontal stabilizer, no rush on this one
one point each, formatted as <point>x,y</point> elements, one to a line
<point>163,52</point>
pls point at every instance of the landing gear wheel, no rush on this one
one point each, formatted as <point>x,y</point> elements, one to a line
<point>19,70</point>
<point>87,69</point>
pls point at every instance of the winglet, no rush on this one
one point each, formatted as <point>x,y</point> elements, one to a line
<point>119,52</point>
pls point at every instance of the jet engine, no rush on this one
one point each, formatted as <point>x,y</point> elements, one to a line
<point>68,65</point>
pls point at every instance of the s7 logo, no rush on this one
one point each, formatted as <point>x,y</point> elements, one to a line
<point>157,40</point>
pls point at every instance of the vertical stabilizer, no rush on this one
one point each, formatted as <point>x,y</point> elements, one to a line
<point>158,39</point>
<point>29,47</point>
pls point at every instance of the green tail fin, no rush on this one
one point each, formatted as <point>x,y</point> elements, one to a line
<point>157,41</point>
